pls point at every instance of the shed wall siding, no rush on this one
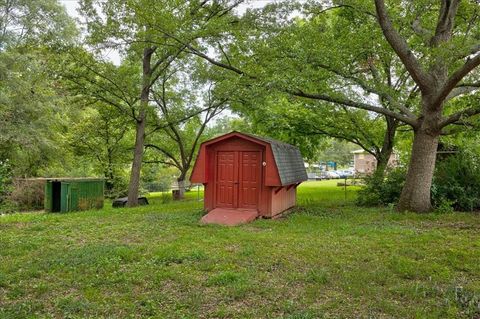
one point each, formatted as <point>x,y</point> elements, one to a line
<point>282,200</point>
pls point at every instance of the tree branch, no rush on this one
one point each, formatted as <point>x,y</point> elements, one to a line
<point>202,55</point>
<point>165,152</point>
<point>460,115</point>
<point>461,90</point>
<point>370,89</point>
<point>456,77</point>
<point>400,46</point>
<point>445,22</point>
<point>358,105</point>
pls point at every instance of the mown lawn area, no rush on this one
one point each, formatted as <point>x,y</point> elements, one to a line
<point>328,258</point>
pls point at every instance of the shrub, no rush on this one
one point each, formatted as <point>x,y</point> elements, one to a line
<point>456,185</point>
<point>457,182</point>
<point>382,190</point>
<point>28,194</point>
<point>119,187</point>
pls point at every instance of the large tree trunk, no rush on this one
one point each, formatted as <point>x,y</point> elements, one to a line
<point>415,195</point>
<point>134,184</point>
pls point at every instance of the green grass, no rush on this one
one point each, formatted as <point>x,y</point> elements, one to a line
<point>328,258</point>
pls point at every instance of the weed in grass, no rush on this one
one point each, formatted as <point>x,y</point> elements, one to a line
<point>69,305</point>
<point>3,280</point>
<point>165,198</point>
<point>146,307</point>
<point>16,292</point>
<point>226,278</point>
<point>22,310</point>
<point>404,267</point>
<point>467,301</point>
<point>317,276</point>
<point>172,255</point>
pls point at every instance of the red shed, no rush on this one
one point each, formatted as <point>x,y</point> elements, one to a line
<point>249,175</point>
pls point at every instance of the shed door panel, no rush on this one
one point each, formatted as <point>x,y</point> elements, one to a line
<point>250,172</point>
<point>226,195</point>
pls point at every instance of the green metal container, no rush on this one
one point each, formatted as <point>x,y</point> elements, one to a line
<point>71,194</point>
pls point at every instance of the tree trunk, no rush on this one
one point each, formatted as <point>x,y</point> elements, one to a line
<point>382,162</point>
<point>109,183</point>
<point>180,194</point>
<point>134,184</point>
<point>387,147</point>
<point>415,195</point>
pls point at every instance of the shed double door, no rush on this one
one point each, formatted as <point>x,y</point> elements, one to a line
<point>238,177</point>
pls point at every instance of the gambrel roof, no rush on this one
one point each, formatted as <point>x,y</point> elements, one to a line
<point>288,159</point>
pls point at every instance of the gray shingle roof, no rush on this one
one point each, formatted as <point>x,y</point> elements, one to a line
<point>289,160</point>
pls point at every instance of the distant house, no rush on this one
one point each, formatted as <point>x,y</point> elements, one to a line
<point>366,163</point>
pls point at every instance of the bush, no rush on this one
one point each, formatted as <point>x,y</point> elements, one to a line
<point>28,194</point>
<point>456,185</point>
<point>382,190</point>
<point>457,182</point>
<point>118,187</point>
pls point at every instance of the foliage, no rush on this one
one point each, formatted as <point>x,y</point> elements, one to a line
<point>158,178</point>
<point>30,97</point>
<point>34,23</point>
<point>186,101</point>
<point>302,266</point>
<point>101,136</point>
<point>457,182</point>
<point>456,185</point>
<point>382,190</point>
<point>228,123</point>
<point>337,151</point>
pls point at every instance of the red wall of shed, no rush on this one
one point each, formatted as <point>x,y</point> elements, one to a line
<point>199,168</point>
<point>282,200</point>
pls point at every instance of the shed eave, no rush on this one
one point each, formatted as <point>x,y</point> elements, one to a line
<point>234,134</point>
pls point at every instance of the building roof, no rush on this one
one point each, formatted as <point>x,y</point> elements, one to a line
<point>360,152</point>
<point>289,160</point>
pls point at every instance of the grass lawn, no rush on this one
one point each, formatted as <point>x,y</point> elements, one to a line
<point>326,259</point>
